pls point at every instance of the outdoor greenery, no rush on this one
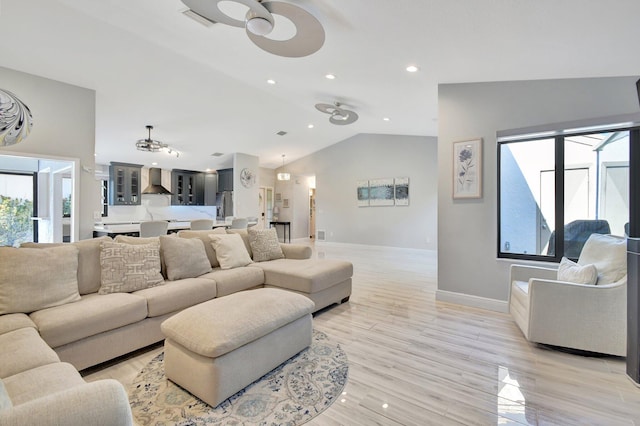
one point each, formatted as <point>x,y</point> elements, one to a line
<point>16,225</point>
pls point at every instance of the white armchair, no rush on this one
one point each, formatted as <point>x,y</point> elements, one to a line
<point>579,316</point>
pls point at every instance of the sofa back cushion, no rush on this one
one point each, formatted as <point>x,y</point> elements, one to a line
<point>32,279</point>
<point>88,262</point>
<point>129,267</point>
<point>184,257</point>
<point>609,255</point>
<point>204,237</point>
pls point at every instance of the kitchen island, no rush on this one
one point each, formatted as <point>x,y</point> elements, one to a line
<point>133,228</point>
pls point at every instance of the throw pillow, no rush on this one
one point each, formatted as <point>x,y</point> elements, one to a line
<point>609,255</point>
<point>230,251</point>
<point>204,237</point>
<point>184,257</point>
<point>32,279</point>
<point>574,273</point>
<point>265,244</point>
<point>129,267</point>
<point>88,262</point>
<point>245,238</point>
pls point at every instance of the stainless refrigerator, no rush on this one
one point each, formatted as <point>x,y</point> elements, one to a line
<point>224,204</point>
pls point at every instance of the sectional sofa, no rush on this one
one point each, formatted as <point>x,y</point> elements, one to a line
<point>66,307</point>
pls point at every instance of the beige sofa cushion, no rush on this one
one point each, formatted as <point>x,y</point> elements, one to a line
<point>177,295</point>
<point>32,279</point>
<point>23,350</point>
<point>230,281</point>
<point>204,237</point>
<point>129,267</point>
<point>306,275</point>
<point>230,251</point>
<point>184,257</point>
<point>12,322</point>
<point>42,381</point>
<point>255,314</point>
<point>245,238</point>
<point>88,261</point>
<point>264,244</point>
<point>92,315</point>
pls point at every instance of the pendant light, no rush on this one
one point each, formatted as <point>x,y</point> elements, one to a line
<point>283,175</point>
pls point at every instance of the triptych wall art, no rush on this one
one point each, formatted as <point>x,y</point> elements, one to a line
<point>383,192</point>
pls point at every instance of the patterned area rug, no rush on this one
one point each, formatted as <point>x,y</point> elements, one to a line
<point>292,394</point>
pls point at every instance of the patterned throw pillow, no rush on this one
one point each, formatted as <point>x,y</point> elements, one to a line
<point>264,244</point>
<point>128,267</point>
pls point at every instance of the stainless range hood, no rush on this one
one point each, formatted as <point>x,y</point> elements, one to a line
<point>155,183</point>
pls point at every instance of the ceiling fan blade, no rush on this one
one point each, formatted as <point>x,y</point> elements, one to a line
<point>308,39</point>
<point>210,10</point>
<point>326,108</point>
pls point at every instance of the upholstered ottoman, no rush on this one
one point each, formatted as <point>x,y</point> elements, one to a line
<point>219,347</point>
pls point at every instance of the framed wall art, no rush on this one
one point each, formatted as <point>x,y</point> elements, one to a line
<point>467,169</point>
<point>362,190</point>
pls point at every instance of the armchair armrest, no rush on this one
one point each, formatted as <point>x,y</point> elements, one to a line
<point>100,403</point>
<point>525,273</point>
<point>296,251</point>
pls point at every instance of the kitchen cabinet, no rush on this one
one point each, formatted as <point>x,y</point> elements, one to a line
<point>124,184</point>
<point>187,187</point>
<point>225,180</point>
<point>210,188</point>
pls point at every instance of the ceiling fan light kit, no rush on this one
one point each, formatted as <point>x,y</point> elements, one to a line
<point>259,22</point>
<point>151,145</point>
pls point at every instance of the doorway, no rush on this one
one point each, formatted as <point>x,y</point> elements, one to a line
<point>18,207</point>
<point>265,206</point>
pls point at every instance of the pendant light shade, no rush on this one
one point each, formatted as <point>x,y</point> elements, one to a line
<point>283,175</point>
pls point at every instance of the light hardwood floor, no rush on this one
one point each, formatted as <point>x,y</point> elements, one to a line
<point>415,361</point>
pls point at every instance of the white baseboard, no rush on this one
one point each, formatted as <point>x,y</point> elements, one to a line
<point>473,301</point>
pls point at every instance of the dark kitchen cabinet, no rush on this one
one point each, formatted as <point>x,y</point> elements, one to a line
<point>124,184</point>
<point>187,187</point>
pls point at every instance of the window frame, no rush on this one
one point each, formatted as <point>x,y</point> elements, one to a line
<point>559,173</point>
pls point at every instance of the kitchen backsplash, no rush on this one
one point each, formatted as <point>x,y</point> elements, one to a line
<point>157,207</point>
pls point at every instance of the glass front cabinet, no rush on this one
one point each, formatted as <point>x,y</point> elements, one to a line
<point>124,184</point>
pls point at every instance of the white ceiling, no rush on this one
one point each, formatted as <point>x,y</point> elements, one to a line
<point>205,91</point>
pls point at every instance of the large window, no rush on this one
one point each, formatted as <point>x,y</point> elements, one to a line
<point>17,208</point>
<point>555,192</point>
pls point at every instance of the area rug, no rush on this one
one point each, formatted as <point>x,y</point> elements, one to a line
<point>292,394</point>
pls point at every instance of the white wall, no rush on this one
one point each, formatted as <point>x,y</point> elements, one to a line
<point>337,168</point>
<point>467,229</point>
<point>63,127</point>
<point>245,200</point>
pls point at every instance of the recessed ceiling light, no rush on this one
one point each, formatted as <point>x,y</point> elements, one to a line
<point>310,126</point>
<point>330,76</point>
<point>412,68</point>
<point>386,119</point>
<point>154,164</point>
<point>271,81</point>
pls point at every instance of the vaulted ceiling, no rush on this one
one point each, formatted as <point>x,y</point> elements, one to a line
<point>205,90</point>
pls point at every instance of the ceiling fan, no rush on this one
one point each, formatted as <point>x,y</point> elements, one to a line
<point>259,22</point>
<point>339,115</point>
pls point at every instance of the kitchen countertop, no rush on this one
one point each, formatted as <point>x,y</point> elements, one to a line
<point>133,227</point>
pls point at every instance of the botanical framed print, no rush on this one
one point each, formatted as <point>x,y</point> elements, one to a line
<point>467,169</point>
